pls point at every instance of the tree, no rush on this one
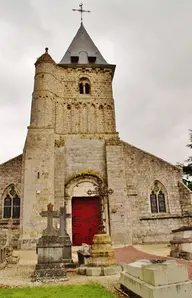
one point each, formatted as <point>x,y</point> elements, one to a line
<point>187,167</point>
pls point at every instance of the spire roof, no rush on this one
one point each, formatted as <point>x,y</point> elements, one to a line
<point>82,50</point>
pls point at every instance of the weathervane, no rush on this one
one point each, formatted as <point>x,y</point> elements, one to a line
<point>81,10</point>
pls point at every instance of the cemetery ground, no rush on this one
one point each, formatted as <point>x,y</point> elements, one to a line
<point>14,277</point>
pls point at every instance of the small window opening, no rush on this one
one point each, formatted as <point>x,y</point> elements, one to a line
<point>84,86</point>
<point>92,59</point>
<point>81,88</point>
<point>87,88</point>
<point>38,175</point>
<point>74,59</point>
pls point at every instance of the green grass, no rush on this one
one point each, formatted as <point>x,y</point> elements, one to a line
<point>73,291</point>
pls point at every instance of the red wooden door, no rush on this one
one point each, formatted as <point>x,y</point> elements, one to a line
<point>85,219</point>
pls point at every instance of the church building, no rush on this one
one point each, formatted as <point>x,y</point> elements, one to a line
<point>74,155</point>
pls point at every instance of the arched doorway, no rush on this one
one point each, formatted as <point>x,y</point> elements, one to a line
<point>84,209</point>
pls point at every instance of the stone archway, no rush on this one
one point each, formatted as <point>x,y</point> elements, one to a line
<point>77,188</point>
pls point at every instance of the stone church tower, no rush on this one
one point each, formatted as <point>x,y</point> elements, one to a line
<point>72,146</point>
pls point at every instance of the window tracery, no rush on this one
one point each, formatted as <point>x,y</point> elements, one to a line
<point>11,203</point>
<point>157,198</point>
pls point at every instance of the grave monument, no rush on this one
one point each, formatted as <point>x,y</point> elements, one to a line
<point>165,279</point>
<point>181,244</point>
<point>53,248</point>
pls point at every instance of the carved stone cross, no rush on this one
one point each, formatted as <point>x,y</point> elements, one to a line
<point>101,190</point>
<point>50,214</point>
<point>63,215</point>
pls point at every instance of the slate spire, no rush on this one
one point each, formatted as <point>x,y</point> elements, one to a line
<point>82,50</point>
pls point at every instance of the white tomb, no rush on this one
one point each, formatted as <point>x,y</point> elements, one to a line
<point>159,280</point>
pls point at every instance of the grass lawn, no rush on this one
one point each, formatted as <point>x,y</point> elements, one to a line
<point>73,291</point>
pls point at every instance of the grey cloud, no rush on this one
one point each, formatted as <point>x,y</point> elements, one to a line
<point>151,43</point>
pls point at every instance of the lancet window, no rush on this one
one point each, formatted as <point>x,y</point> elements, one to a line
<point>11,203</point>
<point>157,198</point>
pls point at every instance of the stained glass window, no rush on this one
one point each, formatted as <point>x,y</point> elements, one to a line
<point>157,198</point>
<point>161,201</point>
<point>11,203</point>
<point>7,207</point>
<point>16,207</point>
<point>153,200</point>
<point>12,190</point>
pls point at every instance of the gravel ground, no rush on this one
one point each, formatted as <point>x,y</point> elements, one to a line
<point>19,276</point>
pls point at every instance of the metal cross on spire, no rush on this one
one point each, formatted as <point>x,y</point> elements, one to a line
<point>81,10</point>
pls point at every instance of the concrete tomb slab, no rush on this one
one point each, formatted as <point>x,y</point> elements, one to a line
<point>147,280</point>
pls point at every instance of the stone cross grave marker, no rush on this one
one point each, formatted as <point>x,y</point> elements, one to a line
<point>50,214</point>
<point>63,215</point>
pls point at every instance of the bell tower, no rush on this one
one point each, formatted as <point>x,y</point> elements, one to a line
<point>87,106</point>
<point>72,115</point>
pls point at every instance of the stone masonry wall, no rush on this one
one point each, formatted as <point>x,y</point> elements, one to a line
<point>74,112</point>
<point>77,157</point>
<point>119,206</point>
<point>10,173</point>
<point>38,182</point>
<point>85,156</point>
<point>142,169</point>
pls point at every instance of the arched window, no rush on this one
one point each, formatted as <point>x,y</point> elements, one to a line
<point>7,207</point>
<point>161,202</point>
<point>84,86</point>
<point>153,200</point>
<point>16,207</point>
<point>11,203</point>
<point>157,198</point>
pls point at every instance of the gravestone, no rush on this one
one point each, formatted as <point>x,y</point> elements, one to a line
<point>156,280</point>
<point>64,236</point>
<point>53,249</point>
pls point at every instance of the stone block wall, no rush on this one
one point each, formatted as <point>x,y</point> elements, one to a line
<point>57,98</point>
<point>85,156</point>
<point>119,206</point>
<point>38,175</point>
<point>10,173</point>
<point>142,169</point>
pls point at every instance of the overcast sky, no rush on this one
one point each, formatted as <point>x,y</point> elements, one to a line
<point>150,41</point>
